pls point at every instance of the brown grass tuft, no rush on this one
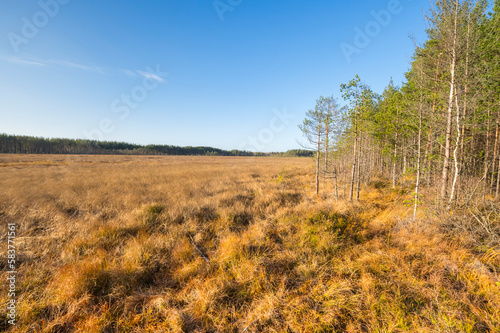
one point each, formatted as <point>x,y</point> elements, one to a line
<point>111,244</point>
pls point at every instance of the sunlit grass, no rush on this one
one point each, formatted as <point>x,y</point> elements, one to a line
<point>112,244</point>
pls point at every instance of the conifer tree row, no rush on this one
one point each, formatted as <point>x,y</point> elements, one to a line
<point>439,129</point>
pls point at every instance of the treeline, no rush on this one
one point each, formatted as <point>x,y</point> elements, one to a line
<point>441,126</point>
<point>14,144</point>
<point>295,153</point>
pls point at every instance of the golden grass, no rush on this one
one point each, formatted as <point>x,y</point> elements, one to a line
<point>105,244</point>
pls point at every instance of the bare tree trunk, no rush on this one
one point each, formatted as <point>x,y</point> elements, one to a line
<point>359,172</point>
<point>419,145</point>
<point>353,174</point>
<point>428,159</point>
<point>498,174</point>
<point>498,182</point>
<point>417,183</point>
<point>344,171</point>
<point>370,164</point>
<point>394,166</point>
<point>395,150</point>
<point>455,157</point>
<point>404,162</point>
<point>487,153</point>
<point>382,162</point>
<point>494,158</point>
<point>446,162</point>
<point>431,127</point>
<point>464,113</point>
<point>317,163</point>
<point>327,128</point>
<point>336,185</point>
<point>472,160</point>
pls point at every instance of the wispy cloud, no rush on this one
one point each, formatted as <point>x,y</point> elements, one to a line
<point>69,64</point>
<point>151,76</point>
<point>34,61</point>
<point>21,61</point>
<point>130,73</point>
<point>144,74</point>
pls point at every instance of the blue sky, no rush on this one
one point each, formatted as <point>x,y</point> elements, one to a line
<point>228,74</point>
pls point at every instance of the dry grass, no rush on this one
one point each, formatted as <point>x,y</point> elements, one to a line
<point>106,245</point>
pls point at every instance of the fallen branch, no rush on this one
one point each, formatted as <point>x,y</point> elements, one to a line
<point>246,328</point>
<point>197,249</point>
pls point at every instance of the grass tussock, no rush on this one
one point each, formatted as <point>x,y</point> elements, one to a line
<point>112,244</point>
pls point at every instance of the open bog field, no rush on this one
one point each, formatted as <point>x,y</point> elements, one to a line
<point>228,244</point>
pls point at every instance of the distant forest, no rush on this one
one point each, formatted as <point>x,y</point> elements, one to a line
<point>15,144</point>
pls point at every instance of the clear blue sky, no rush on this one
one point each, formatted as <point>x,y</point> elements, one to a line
<point>209,81</point>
